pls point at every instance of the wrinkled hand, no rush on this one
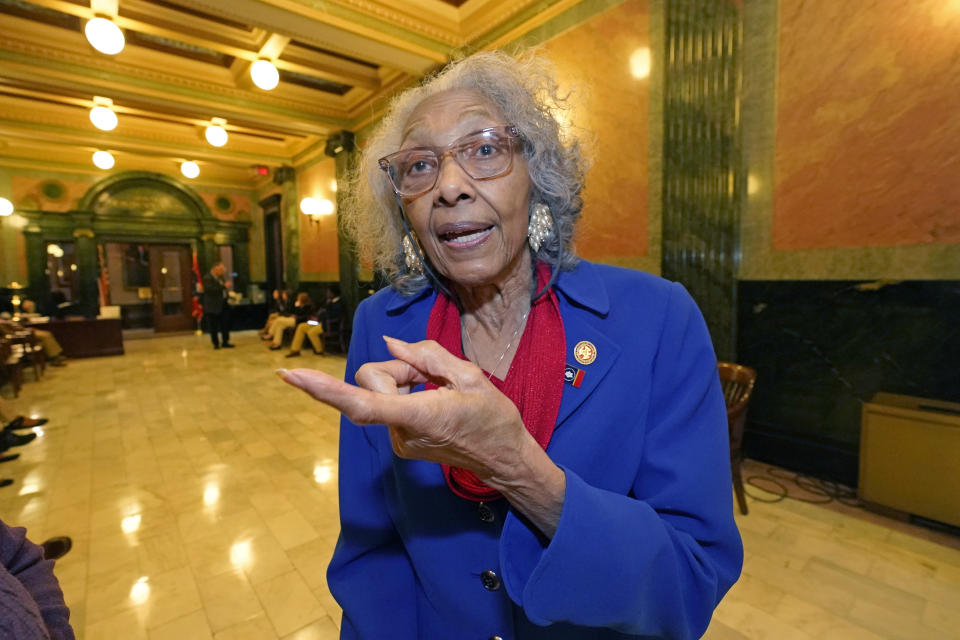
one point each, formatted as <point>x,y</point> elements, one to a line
<point>466,422</point>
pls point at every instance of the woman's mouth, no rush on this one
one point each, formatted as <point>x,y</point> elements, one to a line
<point>465,237</point>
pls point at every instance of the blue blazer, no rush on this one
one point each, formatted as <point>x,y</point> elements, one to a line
<point>646,545</point>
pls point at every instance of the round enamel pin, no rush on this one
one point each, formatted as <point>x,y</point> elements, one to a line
<point>585,352</point>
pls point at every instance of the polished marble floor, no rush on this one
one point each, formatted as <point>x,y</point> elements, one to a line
<point>200,492</point>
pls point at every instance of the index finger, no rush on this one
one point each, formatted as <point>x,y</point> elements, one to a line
<point>360,405</point>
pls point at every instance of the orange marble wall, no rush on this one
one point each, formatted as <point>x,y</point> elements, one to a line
<point>868,124</point>
<point>27,193</point>
<point>610,106</point>
<point>319,257</point>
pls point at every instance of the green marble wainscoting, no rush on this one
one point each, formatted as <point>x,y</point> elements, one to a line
<point>703,178</point>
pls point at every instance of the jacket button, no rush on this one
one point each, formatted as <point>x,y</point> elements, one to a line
<point>490,580</point>
<point>486,513</point>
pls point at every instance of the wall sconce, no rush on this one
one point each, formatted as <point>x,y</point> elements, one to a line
<point>6,207</point>
<point>315,208</point>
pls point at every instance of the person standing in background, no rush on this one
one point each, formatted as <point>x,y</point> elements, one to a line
<point>215,307</point>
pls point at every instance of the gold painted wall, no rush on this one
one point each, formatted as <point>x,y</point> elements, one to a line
<point>610,113</point>
<point>850,115</point>
<point>319,258</point>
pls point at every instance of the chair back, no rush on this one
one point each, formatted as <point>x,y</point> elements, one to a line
<point>737,383</point>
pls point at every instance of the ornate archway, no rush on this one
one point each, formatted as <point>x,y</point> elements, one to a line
<point>133,206</point>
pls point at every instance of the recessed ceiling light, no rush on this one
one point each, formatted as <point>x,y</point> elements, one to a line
<point>264,74</point>
<point>215,133</point>
<point>103,159</point>
<point>190,169</point>
<point>104,36</point>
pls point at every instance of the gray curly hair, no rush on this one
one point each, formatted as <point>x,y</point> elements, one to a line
<point>524,89</point>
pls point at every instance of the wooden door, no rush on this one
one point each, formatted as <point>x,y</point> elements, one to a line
<point>170,284</point>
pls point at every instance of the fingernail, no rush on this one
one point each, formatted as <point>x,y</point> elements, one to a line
<point>283,373</point>
<point>389,339</point>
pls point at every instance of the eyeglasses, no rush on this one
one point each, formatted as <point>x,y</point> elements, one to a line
<point>484,154</point>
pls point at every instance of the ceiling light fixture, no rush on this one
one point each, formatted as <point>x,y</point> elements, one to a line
<point>215,133</point>
<point>6,207</point>
<point>190,169</point>
<point>264,74</point>
<point>103,160</point>
<point>104,36</point>
<point>102,115</point>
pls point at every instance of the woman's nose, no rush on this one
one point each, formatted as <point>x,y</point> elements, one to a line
<point>453,183</point>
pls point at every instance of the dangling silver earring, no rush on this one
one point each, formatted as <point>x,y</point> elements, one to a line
<point>541,226</point>
<point>410,257</point>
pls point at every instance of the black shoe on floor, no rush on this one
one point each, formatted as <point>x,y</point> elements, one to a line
<point>216,346</point>
<point>292,354</point>
<point>8,458</point>
<point>56,547</point>
<point>5,482</point>
<point>276,347</point>
<point>10,439</point>
<point>21,422</point>
<point>227,345</point>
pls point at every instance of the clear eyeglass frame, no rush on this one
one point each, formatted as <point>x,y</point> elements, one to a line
<point>464,151</point>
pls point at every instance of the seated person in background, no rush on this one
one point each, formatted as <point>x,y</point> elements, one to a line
<point>280,305</point>
<point>51,348</point>
<point>302,310</point>
<point>313,328</point>
<point>31,602</point>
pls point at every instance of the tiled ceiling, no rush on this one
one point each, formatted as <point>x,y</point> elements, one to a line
<point>187,61</point>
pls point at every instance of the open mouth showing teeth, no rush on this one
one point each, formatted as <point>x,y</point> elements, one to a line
<point>465,236</point>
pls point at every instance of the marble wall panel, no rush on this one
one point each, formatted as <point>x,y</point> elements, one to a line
<point>867,129</point>
<point>28,192</point>
<point>609,113</point>
<point>823,348</point>
<point>319,258</point>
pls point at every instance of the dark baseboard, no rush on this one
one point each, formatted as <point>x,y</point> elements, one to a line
<point>823,460</point>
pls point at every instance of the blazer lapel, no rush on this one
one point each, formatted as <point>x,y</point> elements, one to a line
<point>577,330</point>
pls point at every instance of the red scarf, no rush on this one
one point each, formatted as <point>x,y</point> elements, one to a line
<point>534,382</point>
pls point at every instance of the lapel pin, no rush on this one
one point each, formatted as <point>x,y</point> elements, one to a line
<point>585,352</point>
<point>573,376</point>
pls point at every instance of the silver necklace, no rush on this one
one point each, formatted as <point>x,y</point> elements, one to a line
<point>502,355</point>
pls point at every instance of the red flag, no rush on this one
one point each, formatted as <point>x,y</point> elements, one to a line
<point>197,310</point>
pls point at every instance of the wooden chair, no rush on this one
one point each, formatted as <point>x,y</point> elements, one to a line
<point>737,383</point>
<point>336,333</point>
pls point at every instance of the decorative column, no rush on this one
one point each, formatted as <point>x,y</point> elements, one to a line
<point>88,271</point>
<point>207,254</point>
<point>38,281</point>
<point>704,176</point>
<point>290,217</point>
<point>241,265</point>
<point>342,148</point>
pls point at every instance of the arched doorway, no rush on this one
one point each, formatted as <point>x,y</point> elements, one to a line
<point>137,239</point>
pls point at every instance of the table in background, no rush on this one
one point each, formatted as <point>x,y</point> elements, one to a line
<point>85,337</point>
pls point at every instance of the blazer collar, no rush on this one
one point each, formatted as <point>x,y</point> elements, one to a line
<point>582,287</point>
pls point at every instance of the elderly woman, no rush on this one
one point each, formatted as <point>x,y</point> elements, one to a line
<point>550,457</point>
